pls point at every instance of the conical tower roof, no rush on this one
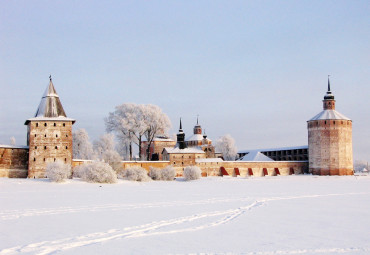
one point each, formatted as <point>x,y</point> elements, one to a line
<point>50,107</point>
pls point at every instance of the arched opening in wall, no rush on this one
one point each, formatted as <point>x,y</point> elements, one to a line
<point>223,171</point>
<point>236,172</point>
<point>35,147</point>
<point>37,124</point>
<point>66,147</point>
<point>250,171</point>
<point>277,171</point>
<point>64,124</point>
<point>56,135</point>
<point>55,159</point>
<point>44,147</point>
<point>34,159</point>
<point>56,147</point>
<point>65,159</point>
<point>291,171</point>
<point>264,172</point>
<point>55,124</point>
<point>45,124</point>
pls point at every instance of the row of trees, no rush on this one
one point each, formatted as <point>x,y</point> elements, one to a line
<point>133,124</point>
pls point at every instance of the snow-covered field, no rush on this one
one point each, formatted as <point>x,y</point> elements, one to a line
<point>267,215</point>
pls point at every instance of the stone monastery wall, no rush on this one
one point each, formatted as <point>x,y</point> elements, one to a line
<point>13,162</point>
<point>214,168</point>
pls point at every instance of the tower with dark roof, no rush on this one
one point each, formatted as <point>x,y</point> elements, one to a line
<point>49,134</point>
<point>330,140</point>
<point>181,138</point>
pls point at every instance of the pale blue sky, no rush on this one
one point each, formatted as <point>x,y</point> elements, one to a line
<point>254,69</point>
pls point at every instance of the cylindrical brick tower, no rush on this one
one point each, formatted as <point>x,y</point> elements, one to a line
<point>49,134</point>
<point>330,140</point>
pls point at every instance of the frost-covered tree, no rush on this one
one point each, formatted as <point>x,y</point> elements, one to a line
<point>192,173</point>
<point>134,173</point>
<point>104,149</point>
<point>131,122</point>
<point>157,123</point>
<point>12,141</point>
<point>58,171</point>
<point>99,172</point>
<point>226,145</point>
<point>82,147</point>
<point>166,174</point>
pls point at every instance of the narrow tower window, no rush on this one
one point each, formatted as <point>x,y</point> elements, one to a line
<point>55,124</point>
<point>45,124</point>
<point>64,124</point>
<point>37,124</point>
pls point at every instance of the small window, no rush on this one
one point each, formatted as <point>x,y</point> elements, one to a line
<point>45,124</point>
<point>44,147</point>
<point>65,159</point>
<point>56,135</point>
<point>64,124</point>
<point>37,124</point>
<point>55,124</point>
<point>55,159</point>
<point>66,147</point>
<point>66,135</point>
<point>35,147</point>
<point>45,135</point>
<point>44,159</point>
<point>56,147</point>
<point>325,122</point>
<point>34,159</point>
<point>35,135</point>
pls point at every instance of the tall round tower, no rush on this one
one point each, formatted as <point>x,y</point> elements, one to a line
<point>49,134</point>
<point>330,140</point>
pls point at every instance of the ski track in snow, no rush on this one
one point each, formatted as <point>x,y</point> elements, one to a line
<point>291,252</point>
<point>15,214</point>
<point>161,227</point>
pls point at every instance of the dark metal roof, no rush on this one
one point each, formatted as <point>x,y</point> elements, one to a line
<point>50,106</point>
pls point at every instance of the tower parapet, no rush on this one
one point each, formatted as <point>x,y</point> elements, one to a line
<point>49,134</point>
<point>330,140</point>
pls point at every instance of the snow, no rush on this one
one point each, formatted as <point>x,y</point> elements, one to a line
<point>301,214</point>
<point>60,118</point>
<point>255,156</point>
<point>329,115</point>
<point>195,137</point>
<point>183,151</point>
